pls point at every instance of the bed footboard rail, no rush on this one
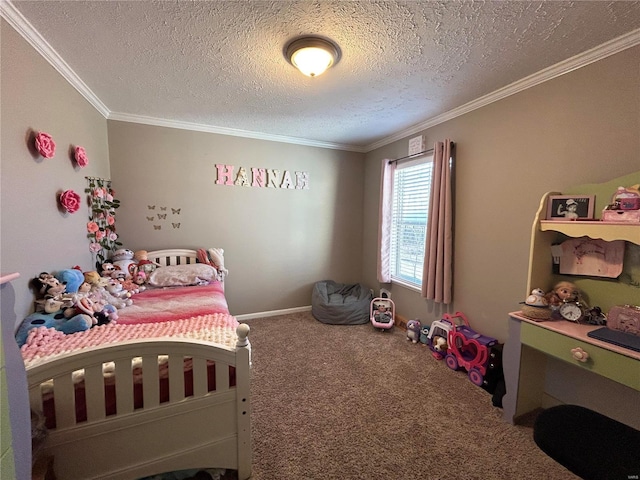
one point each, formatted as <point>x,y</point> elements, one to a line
<point>173,403</point>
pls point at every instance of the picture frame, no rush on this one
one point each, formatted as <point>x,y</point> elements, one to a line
<point>570,207</point>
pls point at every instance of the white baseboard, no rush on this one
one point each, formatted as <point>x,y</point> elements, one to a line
<point>272,313</point>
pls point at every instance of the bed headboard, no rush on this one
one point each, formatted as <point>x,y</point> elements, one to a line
<point>173,256</point>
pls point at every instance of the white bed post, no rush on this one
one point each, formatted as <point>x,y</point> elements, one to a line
<point>243,399</point>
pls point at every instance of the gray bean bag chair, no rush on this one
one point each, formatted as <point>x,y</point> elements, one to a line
<point>340,304</point>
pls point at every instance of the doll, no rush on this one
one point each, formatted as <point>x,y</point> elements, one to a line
<point>382,315</point>
<point>143,264</point>
<point>562,292</point>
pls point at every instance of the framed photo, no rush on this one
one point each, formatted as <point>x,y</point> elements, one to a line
<point>570,207</point>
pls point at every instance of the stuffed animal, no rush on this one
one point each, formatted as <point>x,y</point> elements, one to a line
<point>101,291</point>
<point>84,306</point>
<point>107,269</point>
<point>71,279</point>
<point>47,284</point>
<point>143,264</point>
<point>140,278</point>
<point>117,291</point>
<point>51,292</point>
<point>413,330</point>
<point>217,260</point>
<point>129,285</point>
<point>93,278</point>
<point>440,344</point>
<point>122,259</point>
<point>58,321</point>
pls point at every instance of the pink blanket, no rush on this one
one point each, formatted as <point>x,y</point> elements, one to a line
<point>175,303</point>
<point>192,312</point>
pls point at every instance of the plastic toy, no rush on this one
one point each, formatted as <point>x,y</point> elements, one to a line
<point>465,348</point>
<point>424,334</point>
<point>438,335</point>
<point>382,312</point>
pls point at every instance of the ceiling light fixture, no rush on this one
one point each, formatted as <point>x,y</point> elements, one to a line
<point>312,55</point>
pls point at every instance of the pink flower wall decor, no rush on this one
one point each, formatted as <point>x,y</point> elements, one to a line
<point>45,145</point>
<point>70,201</point>
<point>81,157</point>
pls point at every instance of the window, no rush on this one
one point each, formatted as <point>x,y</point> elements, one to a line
<point>410,210</point>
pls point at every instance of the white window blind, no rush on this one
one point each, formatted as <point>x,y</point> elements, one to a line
<point>411,193</point>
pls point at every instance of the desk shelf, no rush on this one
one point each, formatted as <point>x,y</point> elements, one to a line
<point>607,231</point>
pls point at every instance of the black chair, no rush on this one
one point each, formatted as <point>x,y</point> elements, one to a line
<point>592,446</point>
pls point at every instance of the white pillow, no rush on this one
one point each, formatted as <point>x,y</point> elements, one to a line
<point>182,275</point>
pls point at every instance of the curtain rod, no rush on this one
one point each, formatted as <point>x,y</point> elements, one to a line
<point>424,152</point>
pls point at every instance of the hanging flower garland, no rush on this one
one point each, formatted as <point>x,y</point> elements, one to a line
<point>101,228</point>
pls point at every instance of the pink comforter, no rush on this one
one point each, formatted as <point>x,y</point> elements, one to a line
<point>175,303</point>
<point>189,312</point>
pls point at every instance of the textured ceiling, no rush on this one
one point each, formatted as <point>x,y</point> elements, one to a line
<point>219,64</point>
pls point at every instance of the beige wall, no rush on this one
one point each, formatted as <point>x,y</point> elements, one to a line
<point>277,242</point>
<point>582,127</point>
<point>34,234</point>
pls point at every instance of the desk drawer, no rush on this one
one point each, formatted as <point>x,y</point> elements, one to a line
<point>601,361</point>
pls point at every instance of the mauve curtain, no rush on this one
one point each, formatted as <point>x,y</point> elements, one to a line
<point>384,221</point>
<point>437,272</point>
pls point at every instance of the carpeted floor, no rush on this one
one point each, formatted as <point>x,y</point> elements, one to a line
<point>352,402</point>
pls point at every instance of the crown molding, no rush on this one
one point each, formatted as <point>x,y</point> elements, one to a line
<point>199,127</point>
<point>607,49</point>
<point>9,12</point>
<point>29,33</point>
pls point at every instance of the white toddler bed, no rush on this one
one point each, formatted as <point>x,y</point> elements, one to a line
<point>150,405</point>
